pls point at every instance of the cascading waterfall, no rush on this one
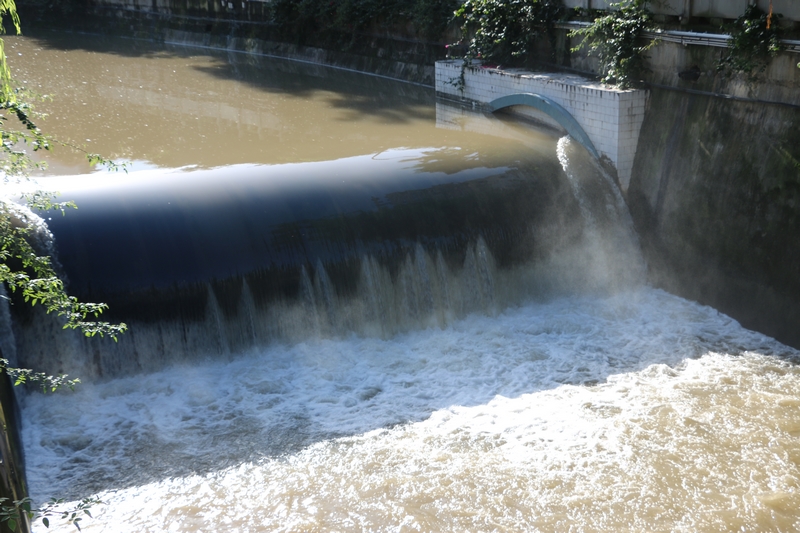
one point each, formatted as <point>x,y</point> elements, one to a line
<point>409,250</point>
<point>608,222</point>
<point>447,337</point>
<point>214,319</point>
<point>426,388</point>
<point>367,283</point>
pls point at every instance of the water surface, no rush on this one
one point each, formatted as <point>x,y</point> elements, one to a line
<point>556,394</point>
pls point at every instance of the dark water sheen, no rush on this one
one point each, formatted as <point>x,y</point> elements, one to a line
<point>269,200</point>
<point>354,308</point>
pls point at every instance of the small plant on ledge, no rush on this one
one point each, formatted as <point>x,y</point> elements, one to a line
<point>616,38</point>
<point>755,40</point>
<point>506,31</point>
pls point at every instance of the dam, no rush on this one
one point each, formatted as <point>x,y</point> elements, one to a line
<point>354,307</point>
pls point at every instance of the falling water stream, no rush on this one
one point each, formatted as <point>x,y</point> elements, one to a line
<point>514,373</point>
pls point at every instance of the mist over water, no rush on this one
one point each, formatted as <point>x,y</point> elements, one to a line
<point>509,372</point>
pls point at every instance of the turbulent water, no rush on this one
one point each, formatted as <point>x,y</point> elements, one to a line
<point>557,392</point>
<point>638,411</point>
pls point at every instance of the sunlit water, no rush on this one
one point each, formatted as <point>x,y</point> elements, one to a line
<point>171,106</point>
<point>623,409</point>
<point>634,412</point>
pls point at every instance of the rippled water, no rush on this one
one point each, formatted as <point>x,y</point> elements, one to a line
<point>634,412</point>
<point>609,407</point>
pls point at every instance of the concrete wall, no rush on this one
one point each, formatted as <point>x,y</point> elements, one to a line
<point>715,196</point>
<point>714,186</point>
<point>726,9</point>
<point>610,116</point>
<point>780,81</point>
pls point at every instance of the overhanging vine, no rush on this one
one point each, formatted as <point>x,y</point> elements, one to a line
<point>615,38</point>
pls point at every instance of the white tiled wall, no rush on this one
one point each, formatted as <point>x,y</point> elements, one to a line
<point>611,117</point>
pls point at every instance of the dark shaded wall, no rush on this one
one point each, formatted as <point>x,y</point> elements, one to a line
<point>715,195</point>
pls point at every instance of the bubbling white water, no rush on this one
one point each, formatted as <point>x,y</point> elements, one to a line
<point>633,412</point>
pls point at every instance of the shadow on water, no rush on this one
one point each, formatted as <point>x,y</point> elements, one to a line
<point>391,305</point>
<point>436,332</point>
<point>359,94</point>
<point>209,416</point>
<point>173,107</point>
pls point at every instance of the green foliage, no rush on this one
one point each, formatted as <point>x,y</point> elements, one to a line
<point>26,267</point>
<point>16,162</point>
<point>25,263</point>
<point>616,38</point>
<point>7,9</point>
<point>505,31</point>
<point>13,512</point>
<point>21,376</point>
<point>755,40</point>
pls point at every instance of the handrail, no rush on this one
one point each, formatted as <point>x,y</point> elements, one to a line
<point>719,40</point>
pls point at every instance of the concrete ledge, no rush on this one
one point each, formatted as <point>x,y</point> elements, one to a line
<point>611,117</point>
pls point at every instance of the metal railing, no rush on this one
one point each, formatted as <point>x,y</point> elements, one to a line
<point>719,40</point>
<point>720,9</point>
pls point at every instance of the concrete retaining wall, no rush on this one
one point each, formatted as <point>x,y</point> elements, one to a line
<point>726,9</point>
<point>715,197</point>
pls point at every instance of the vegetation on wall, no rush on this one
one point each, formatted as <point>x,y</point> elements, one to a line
<point>615,37</point>
<point>506,31</point>
<point>755,40</point>
<point>512,32</point>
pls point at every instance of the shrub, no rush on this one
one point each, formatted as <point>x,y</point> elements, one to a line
<point>505,31</point>
<point>755,40</point>
<point>616,38</point>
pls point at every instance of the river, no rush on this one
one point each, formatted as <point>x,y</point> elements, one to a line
<point>502,369</point>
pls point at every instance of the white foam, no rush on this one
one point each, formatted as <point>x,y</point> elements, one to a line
<point>492,422</point>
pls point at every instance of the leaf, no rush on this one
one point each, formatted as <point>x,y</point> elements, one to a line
<point>12,524</point>
<point>46,522</point>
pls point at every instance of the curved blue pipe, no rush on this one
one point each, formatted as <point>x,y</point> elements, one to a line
<point>551,108</point>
